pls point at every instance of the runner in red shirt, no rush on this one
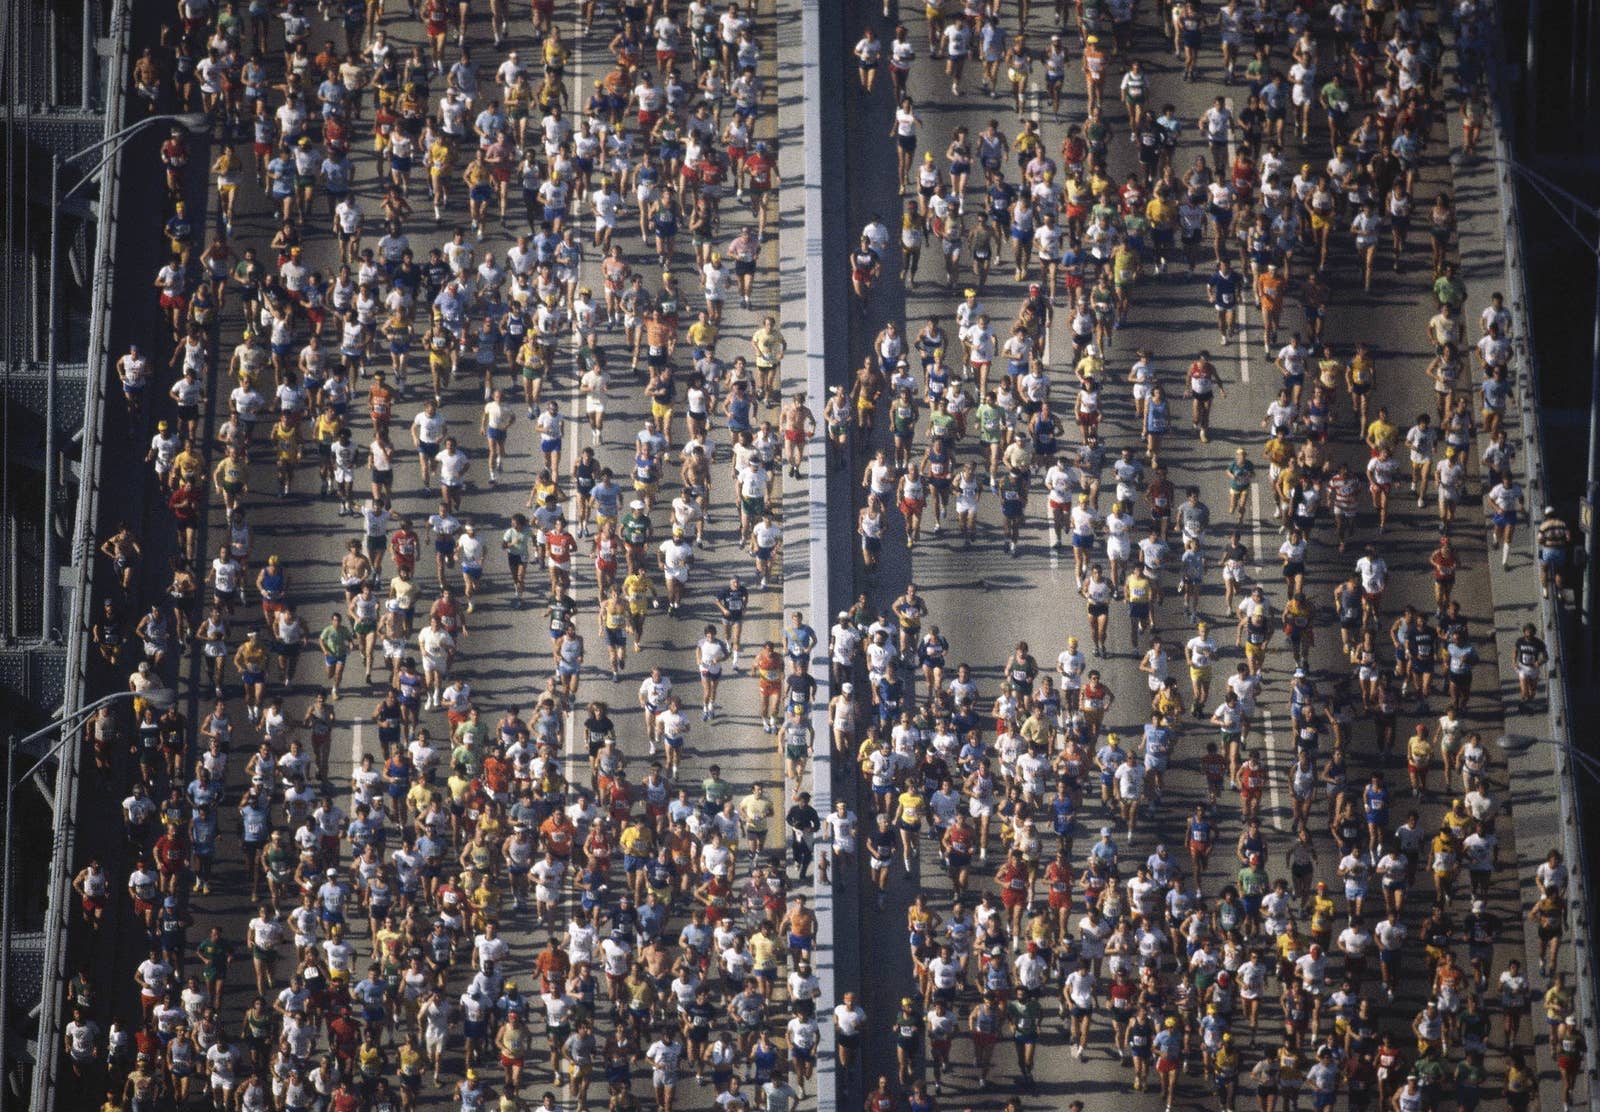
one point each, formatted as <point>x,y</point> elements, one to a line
<point>762,171</point>
<point>717,894</point>
<point>174,157</point>
<point>1204,383</point>
<point>559,545</point>
<point>344,1036</point>
<point>186,503</point>
<point>403,546</point>
<point>960,841</point>
<point>448,612</point>
<point>1015,888</point>
<point>172,857</point>
<point>1058,879</point>
<point>598,849</point>
<point>1251,779</point>
<point>1444,562</point>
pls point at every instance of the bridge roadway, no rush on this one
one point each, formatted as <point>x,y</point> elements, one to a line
<point>506,656</point>
<point>986,602</point>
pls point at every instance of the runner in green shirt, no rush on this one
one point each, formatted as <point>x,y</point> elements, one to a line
<point>907,1035</point>
<point>1469,1078</point>
<point>1430,1071</point>
<point>715,790</point>
<point>1252,881</point>
<point>562,609</point>
<point>1336,103</point>
<point>335,640</point>
<point>902,427</point>
<point>1448,289</point>
<point>215,954</point>
<point>635,528</point>
<point>1023,1015</point>
<point>991,422</point>
<point>469,739</point>
<point>514,542</point>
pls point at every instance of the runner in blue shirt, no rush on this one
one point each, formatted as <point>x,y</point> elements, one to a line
<point>1223,287</point>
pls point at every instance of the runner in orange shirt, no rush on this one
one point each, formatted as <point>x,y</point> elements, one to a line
<point>1271,285</point>
<point>769,678</point>
<point>380,403</point>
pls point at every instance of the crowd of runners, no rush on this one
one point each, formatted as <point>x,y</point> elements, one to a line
<point>435,218</point>
<point>1350,953</point>
<point>672,944</point>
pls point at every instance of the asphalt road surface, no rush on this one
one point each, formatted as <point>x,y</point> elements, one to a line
<point>506,656</point>
<point>985,601</point>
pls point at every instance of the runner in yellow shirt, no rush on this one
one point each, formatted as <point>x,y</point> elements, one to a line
<point>702,334</point>
<point>1139,592</point>
<point>1092,365</point>
<point>1124,272</point>
<point>1419,757</point>
<point>755,810</point>
<point>1360,377</point>
<point>637,591</point>
<point>1380,433</point>
<point>1162,213</point>
<point>286,447</point>
<point>441,169</point>
<point>230,477</point>
<point>251,660</point>
<point>910,807</point>
<point>325,430</point>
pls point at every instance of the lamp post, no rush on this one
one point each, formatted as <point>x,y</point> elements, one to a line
<point>67,728</point>
<point>193,122</point>
<point>1516,744</point>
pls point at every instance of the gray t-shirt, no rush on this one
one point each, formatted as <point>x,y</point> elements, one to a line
<point>1193,517</point>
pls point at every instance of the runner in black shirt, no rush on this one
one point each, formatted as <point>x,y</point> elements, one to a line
<point>732,601</point>
<point>1531,654</point>
<point>1424,653</point>
<point>801,688</point>
<point>865,267</point>
<point>882,846</point>
<point>803,823</point>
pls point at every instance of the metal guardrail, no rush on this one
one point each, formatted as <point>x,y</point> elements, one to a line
<point>63,836</point>
<point>1569,793</point>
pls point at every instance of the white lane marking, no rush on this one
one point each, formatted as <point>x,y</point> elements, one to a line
<point>1255,520</point>
<point>355,748</point>
<point>570,898</point>
<point>577,432</point>
<point>1033,95</point>
<point>1244,349</point>
<point>1272,771</point>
